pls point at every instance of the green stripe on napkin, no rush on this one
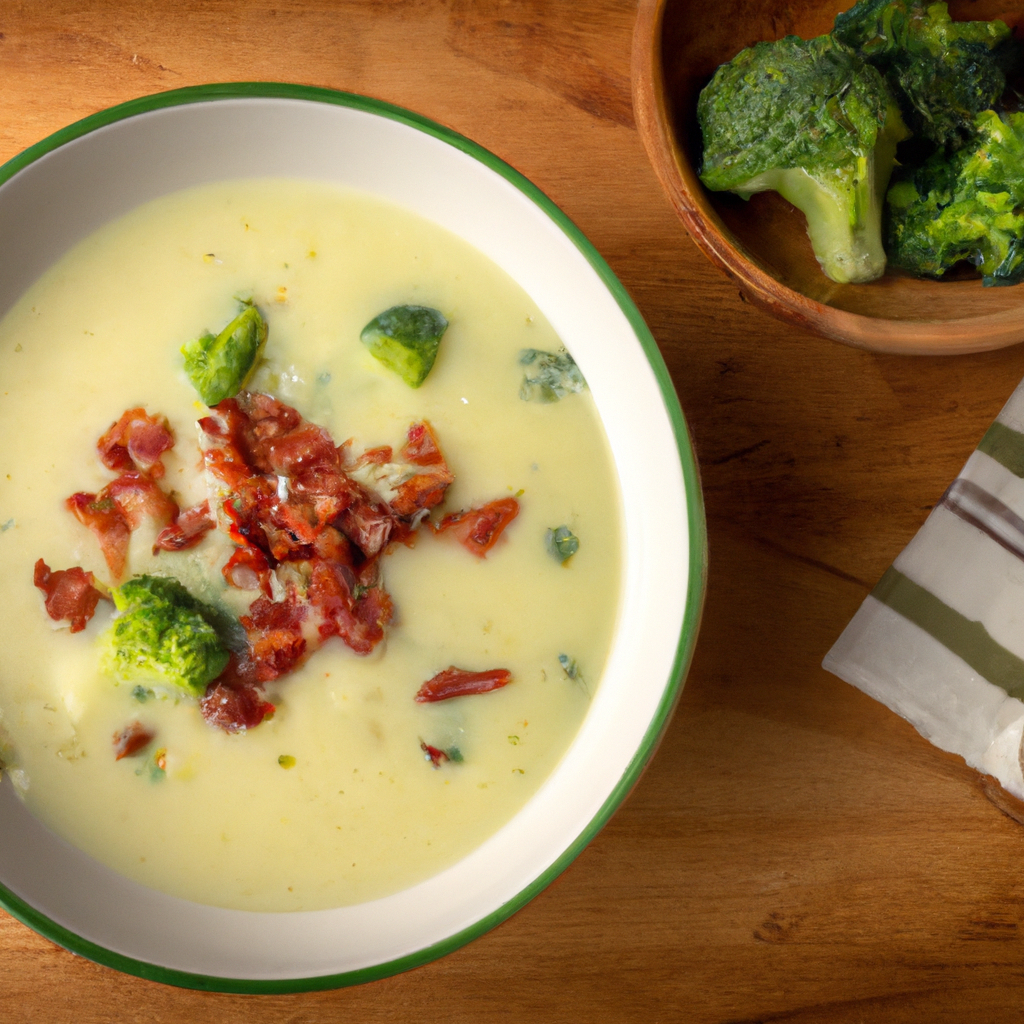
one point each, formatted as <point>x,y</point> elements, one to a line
<point>964,637</point>
<point>1006,446</point>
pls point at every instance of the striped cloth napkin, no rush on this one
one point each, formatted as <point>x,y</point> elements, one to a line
<point>940,640</point>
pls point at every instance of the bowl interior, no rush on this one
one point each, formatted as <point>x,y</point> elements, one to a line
<point>764,242</point>
<point>68,186</point>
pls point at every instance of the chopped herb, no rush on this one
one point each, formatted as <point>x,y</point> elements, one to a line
<point>141,694</point>
<point>570,666</point>
<point>323,378</point>
<point>549,376</point>
<point>562,543</point>
<point>455,755</point>
<point>157,766</point>
<point>6,526</point>
<point>286,761</point>
<point>406,339</point>
<point>514,740</point>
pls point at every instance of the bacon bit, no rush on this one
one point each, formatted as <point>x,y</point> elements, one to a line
<point>234,701</point>
<point>131,740</point>
<point>187,530</point>
<point>358,621</point>
<point>276,642</point>
<point>477,529</point>
<point>435,755</point>
<point>368,524</point>
<point>421,448</point>
<point>375,456</point>
<point>457,682</point>
<point>248,569</point>
<point>302,449</point>
<point>333,545</point>
<point>139,498</point>
<point>424,490</point>
<point>136,441</point>
<point>70,594</point>
<point>101,514</point>
<point>269,418</point>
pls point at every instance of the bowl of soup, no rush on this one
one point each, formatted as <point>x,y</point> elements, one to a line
<point>451,611</point>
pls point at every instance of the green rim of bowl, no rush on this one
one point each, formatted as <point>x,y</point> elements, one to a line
<point>695,516</point>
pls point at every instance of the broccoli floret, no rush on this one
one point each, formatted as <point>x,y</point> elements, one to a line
<point>219,366</point>
<point>163,636</point>
<point>942,72</point>
<point>812,121</point>
<point>406,339</point>
<point>967,207</point>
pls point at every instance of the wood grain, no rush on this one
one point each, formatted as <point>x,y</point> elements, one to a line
<point>794,852</point>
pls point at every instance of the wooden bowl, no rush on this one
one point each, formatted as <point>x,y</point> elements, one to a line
<point>762,244</point>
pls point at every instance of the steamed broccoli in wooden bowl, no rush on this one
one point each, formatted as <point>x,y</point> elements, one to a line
<point>897,85</point>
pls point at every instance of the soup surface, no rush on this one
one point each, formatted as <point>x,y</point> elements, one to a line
<point>335,798</point>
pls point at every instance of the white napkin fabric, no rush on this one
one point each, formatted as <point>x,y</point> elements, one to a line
<point>940,640</point>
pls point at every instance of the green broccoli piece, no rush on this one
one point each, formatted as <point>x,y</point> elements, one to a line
<point>406,339</point>
<point>811,120</point>
<point>163,636</point>
<point>942,72</point>
<point>549,376</point>
<point>967,207</point>
<point>219,366</point>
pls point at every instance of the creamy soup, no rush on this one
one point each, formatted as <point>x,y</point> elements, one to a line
<point>335,798</point>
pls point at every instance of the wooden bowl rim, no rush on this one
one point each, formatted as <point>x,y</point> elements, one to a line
<point>713,238</point>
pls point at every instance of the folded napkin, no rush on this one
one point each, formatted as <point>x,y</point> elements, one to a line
<point>940,640</point>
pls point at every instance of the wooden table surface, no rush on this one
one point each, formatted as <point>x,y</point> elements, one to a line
<point>795,852</point>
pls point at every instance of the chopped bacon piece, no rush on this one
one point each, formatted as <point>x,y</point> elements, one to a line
<point>131,740</point>
<point>421,448</point>
<point>276,652</point>
<point>268,417</point>
<point>70,594</point>
<point>224,445</point>
<point>248,569</point>
<point>367,523</point>
<point>136,441</point>
<point>435,755</point>
<point>457,682</point>
<point>424,490</point>
<point>187,530</point>
<point>139,498</point>
<point>333,545</point>
<point>477,529</point>
<point>276,643</point>
<point>375,456</point>
<point>305,448</point>
<point>118,509</point>
<point>358,620</point>
<point>101,514</point>
<point>234,700</point>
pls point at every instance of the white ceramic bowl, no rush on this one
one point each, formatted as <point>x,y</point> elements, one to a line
<point>59,191</point>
